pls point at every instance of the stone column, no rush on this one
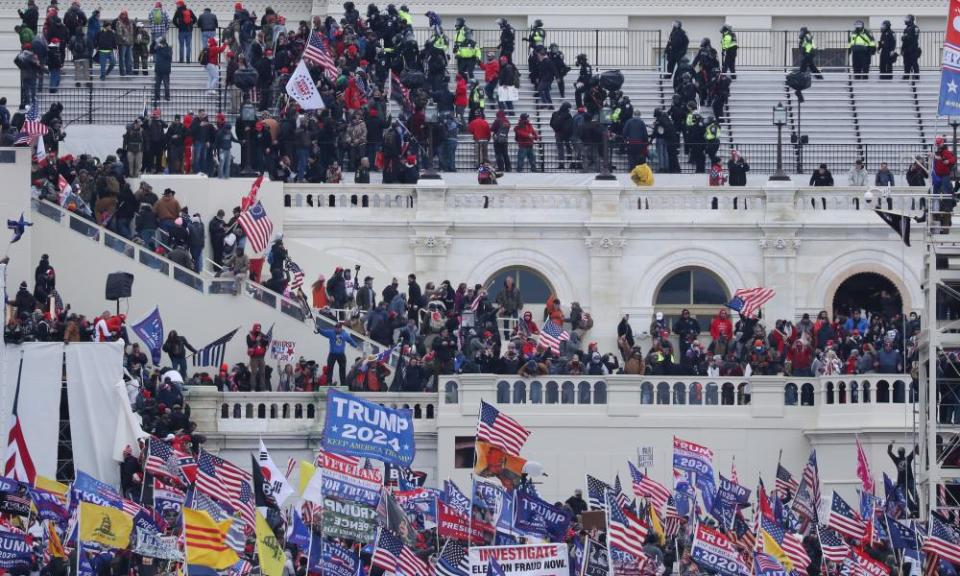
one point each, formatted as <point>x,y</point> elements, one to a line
<point>779,244</point>
<point>605,243</point>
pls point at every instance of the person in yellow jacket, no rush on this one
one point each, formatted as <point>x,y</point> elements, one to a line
<point>404,15</point>
<point>808,51</point>
<point>467,55</point>
<point>861,48</point>
<point>728,49</point>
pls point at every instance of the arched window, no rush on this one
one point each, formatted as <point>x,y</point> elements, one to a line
<point>298,411</point>
<point>790,394</point>
<point>842,393</point>
<point>883,392</point>
<point>519,392</point>
<point>249,411</point>
<point>854,392</point>
<point>743,394</point>
<point>431,412</point>
<point>696,289</point>
<point>899,392</point>
<point>534,288</point>
<point>553,393</point>
<point>417,412</point>
<point>286,410</point>
<point>868,291</point>
<point>225,411</point>
<point>679,393</point>
<point>866,392</point>
<point>311,411</point>
<point>566,395</point>
<point>646,393</point>
<point>503,392</point>
<point>583,393</point>
<point>452,390</point>
<point>600,393</point>
<point>273,411</point>
<point>830,397</point>
<point>728,394</point>
<point>712,394</point>
<point>536,393</point>
<point>236,411</point>
<point>695,393</point>
<point>806,395</point>
<point>663,393</point>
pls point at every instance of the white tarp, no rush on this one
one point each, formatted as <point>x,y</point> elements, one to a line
<point>101,422</point>
<point>39,403</point>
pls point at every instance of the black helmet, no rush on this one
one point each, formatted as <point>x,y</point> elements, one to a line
<point>858,25</point>
<point>804,31</point>
<point>554,47</point>
<point>885,25</point>
<point>909,19</point>
<point>705,42</point>
<point>461,22</point>
<point>676,99</point>
<point>538,23</point>
<point>724,29</point>
<point>677,24</point>
<point>404,8</point>
<point>348,6</point>
<point>581,58</point>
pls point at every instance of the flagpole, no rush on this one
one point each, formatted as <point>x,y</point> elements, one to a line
<point>606,504</point>
<point>79,539</point>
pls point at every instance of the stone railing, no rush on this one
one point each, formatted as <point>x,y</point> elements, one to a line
<point>726,199</point>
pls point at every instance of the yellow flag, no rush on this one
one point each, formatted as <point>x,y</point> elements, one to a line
<point>44,483</point>
<point>771,547</point>
<point>307,470</point>
<point>54,546</point>
<point>110,527</point>
<point>206,540</point>
<point>656,525</point>
<point>269,549</point>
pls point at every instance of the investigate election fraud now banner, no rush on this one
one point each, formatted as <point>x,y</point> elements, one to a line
<point>525,560</point>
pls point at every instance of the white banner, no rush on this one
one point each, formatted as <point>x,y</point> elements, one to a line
<point>39,402</point>
<point>528,559</point>
<point>156,546</point>
<point>283,350</point>
<point>101,421</point>
<point>301,88</point>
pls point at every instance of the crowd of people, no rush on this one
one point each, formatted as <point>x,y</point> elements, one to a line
<point>372,58</point>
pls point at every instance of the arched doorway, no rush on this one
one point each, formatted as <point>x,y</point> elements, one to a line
<point>868,291</point>
<point>696,289</point>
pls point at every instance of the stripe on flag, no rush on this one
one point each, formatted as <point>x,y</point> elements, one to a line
<point>213,353</point>
<point>500,430</point>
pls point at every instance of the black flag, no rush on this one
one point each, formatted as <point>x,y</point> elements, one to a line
<point>261,495</point>
<point>899,222</point>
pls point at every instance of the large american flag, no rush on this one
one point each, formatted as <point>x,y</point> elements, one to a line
<point>32,126</point>
<point>672,519</point>
<point>648,488</point>
<point>786,486</point>
<point>257,226</point>
<point>226,482</point>
<point>766,564</point>
<point>807,501</point>
<point>500,430</point>
<point>845,520</point>
<point>165,461</point>
<point>833,547</point>
<point>551,335</point>
<point>317,53</point>
<point>296,274</point>
<point>747,301</point>
<point>393,556</point>
<point>626,531</point>
<point>942,540</point>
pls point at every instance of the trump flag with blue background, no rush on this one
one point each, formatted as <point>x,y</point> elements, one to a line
<point>950,69</point>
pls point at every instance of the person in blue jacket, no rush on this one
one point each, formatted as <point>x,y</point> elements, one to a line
<point>338,345</point>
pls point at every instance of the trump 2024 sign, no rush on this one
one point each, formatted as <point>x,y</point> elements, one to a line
<point>357,427</point>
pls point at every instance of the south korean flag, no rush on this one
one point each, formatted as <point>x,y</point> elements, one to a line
<point>275,484</point>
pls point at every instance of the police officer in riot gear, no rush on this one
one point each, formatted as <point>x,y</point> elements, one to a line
<point>910,48</point>
<point>728,49</point>
<point>861,48</point>
<point>808,51</point>
<point>887,48</point>
<point>507,38</point>
<point>583,79</point>
<point>676,46</point>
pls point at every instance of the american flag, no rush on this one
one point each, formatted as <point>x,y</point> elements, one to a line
<point>166,462</point>
<point>597,493</point>
<point>747,301</point>
<point>671,519</point>
<point>786,486</point>
<point>551,335</point>
<point>791,544</point>
<point>807,501</point>
<point>317,53</point>
<point>453,560</point>
<point>648,488</point>
<point>131,508</point>
<point>393,556</point>
<point>18,463</point>
<point>296,274</point>
<point>399,93</point>
<point>742,534</point>
<point>833,546</point>
<point>221,480</point>
<point>500,430</point>
<point>733,471</point>
<point>257,226</point>
<point>845,520</point>
<point>942,540</point>
<point>625,531</point>
<point>32,126</point>
<point>619,497</point>
<point>767,565</point>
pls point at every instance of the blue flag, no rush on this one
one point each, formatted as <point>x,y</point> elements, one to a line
<point>299,534</point>
<point>902,537</point>
<point>358,427</point>
<point>150,330</point>
<point>494,568</point>
<point>539,518</point>
<point>18,227</point>
<point>14,551</point>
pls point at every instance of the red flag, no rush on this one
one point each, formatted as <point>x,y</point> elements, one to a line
<point>863,469</point>
<point>251,198</point>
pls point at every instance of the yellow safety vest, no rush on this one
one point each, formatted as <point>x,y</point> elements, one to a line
<point>861,39</point>
<point>461,36</point>
<point>406,17</point>
<point>467,52</point>
<point>440,44</point>
<point>807,45</point>
<point>728,41</point>
<point>713,132</point>
<point>537,36</point>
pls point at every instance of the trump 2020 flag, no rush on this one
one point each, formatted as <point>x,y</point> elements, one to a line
<point>950,68</point>
<point>301,88</point>
<point>150,330</point>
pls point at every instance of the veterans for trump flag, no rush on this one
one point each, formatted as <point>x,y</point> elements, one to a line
<point>302,88</point>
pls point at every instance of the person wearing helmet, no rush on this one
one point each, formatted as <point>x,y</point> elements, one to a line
<point>728,50</point>
<point>583,78</point>
<point>467,53</point>
<point>403,15</point>
<point>910,48</point>
<point>808,51</point>
<point>712,137</point>
<point>507,39</point>
<point>537,34</point>
<point>887,48</point>
<point>556,56</point>
<point>676,47</point>
<point>861,48</point>
<point>460,31</point>
<point>708,62</point>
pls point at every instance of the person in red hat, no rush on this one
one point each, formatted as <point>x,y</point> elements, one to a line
<point>210,56</point>
<point>184,19</point>
<point>54,63</point>
<point>158,21</point>
<point>410,173</point>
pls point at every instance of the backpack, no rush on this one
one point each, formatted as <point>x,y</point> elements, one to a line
<point>156,16</point>
<point>204,57</point>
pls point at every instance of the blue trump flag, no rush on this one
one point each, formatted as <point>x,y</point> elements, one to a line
<point>949,104</point>
<point>299,533</point>
<point>357,427</point>
<point>150,330</point>
<point>14,551</point>
<point>539,518</point>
